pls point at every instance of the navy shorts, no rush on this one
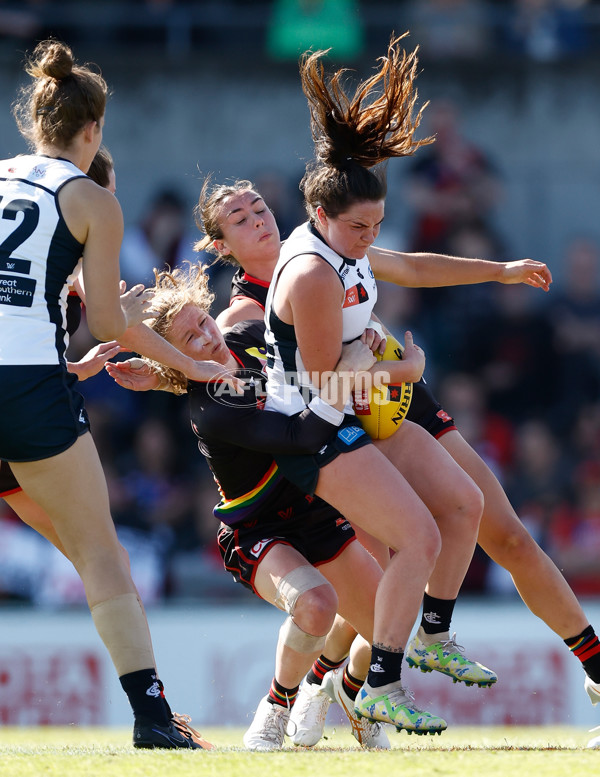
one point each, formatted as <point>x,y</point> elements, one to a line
<point>319,534</point>
<point>303,469</point>
<point>42,412</point>
<point>8,482</point>
<point>427,412</point>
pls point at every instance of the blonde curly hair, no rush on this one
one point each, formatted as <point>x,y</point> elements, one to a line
<point>173,290</point>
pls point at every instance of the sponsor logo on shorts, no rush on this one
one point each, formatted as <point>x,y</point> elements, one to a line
<point>343,523</point>
<point>350,433</point>
<point>258,547</point>
<point>443,416</point>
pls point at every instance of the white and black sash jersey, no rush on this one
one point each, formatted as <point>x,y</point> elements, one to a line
<point>289,387</point>
<point>424,408</point>
<point>239,439</point>
<point>37,255</point>
<point>244,286</point>
<point>8,482</point>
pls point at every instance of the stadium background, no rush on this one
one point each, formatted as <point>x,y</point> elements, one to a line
<point>212,87</point>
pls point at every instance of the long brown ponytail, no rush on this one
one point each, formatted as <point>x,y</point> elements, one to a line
<point>354,134</point>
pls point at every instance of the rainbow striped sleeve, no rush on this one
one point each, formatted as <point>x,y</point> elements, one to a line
<point>232,511</point>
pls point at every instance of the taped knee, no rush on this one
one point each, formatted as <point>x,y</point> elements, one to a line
<point>295,638</point>
<point>296,583</point>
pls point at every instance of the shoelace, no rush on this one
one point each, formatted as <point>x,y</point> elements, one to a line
<point>452,643</point>
<point>275,723</point>
<point>182,724</point>
<point>404,696</point>
<point>401,695</point>
<point>372,727</point>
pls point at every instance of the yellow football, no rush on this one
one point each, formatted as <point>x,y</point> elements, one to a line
<point>382,407</point>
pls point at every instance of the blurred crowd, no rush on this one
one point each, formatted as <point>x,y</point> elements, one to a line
<point>541,30</point>
<point>518,369</point>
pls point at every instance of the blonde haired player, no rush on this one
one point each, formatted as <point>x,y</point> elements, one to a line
<point>239,228</point>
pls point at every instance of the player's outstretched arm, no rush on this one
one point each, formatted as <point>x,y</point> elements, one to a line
<point>434,270</point>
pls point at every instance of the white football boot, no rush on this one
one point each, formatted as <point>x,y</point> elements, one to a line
<point>369,734</point>
<point>307,719</point>
<point>267,730</point>
<point>592,689</point>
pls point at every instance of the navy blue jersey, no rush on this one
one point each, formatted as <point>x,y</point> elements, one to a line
<point>38,253</point>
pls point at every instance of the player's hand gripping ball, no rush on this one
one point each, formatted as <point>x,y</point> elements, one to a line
<point>382,407</point>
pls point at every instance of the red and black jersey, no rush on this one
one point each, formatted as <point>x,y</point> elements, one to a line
<point>244,286</point>
<point>239,439</point>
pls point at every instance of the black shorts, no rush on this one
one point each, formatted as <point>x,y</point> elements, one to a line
<point>320,534</point>
<point>8,482</point>
<point>427,412</point>
<point>303,469</point>
<point>42,412</point>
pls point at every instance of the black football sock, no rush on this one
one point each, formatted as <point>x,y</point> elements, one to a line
<point>437,614</point>
<point>145,693</point>
<point>283,697</point>
<point>320,668</point>
<point>587,649</point>
<point>351,684</point>
<point>385,667</point>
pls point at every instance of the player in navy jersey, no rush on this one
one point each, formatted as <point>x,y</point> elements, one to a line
<point>140,338</point>
<point>101,172</point>
<point>53,216</point>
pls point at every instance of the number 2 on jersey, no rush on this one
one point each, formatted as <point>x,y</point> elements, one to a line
<point>31,216</point>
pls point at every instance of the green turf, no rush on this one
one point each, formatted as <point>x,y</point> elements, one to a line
<point>468,752</point>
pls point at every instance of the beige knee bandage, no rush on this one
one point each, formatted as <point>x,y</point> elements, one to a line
<point>122,626</point>
<point>295,638</point>
<point>295,583</point>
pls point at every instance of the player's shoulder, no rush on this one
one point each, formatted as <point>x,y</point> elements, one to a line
<point>84,203</point>
<point>240,309</point>
<point>246,333</point>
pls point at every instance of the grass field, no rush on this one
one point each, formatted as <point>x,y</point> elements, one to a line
<point>468,752</point>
